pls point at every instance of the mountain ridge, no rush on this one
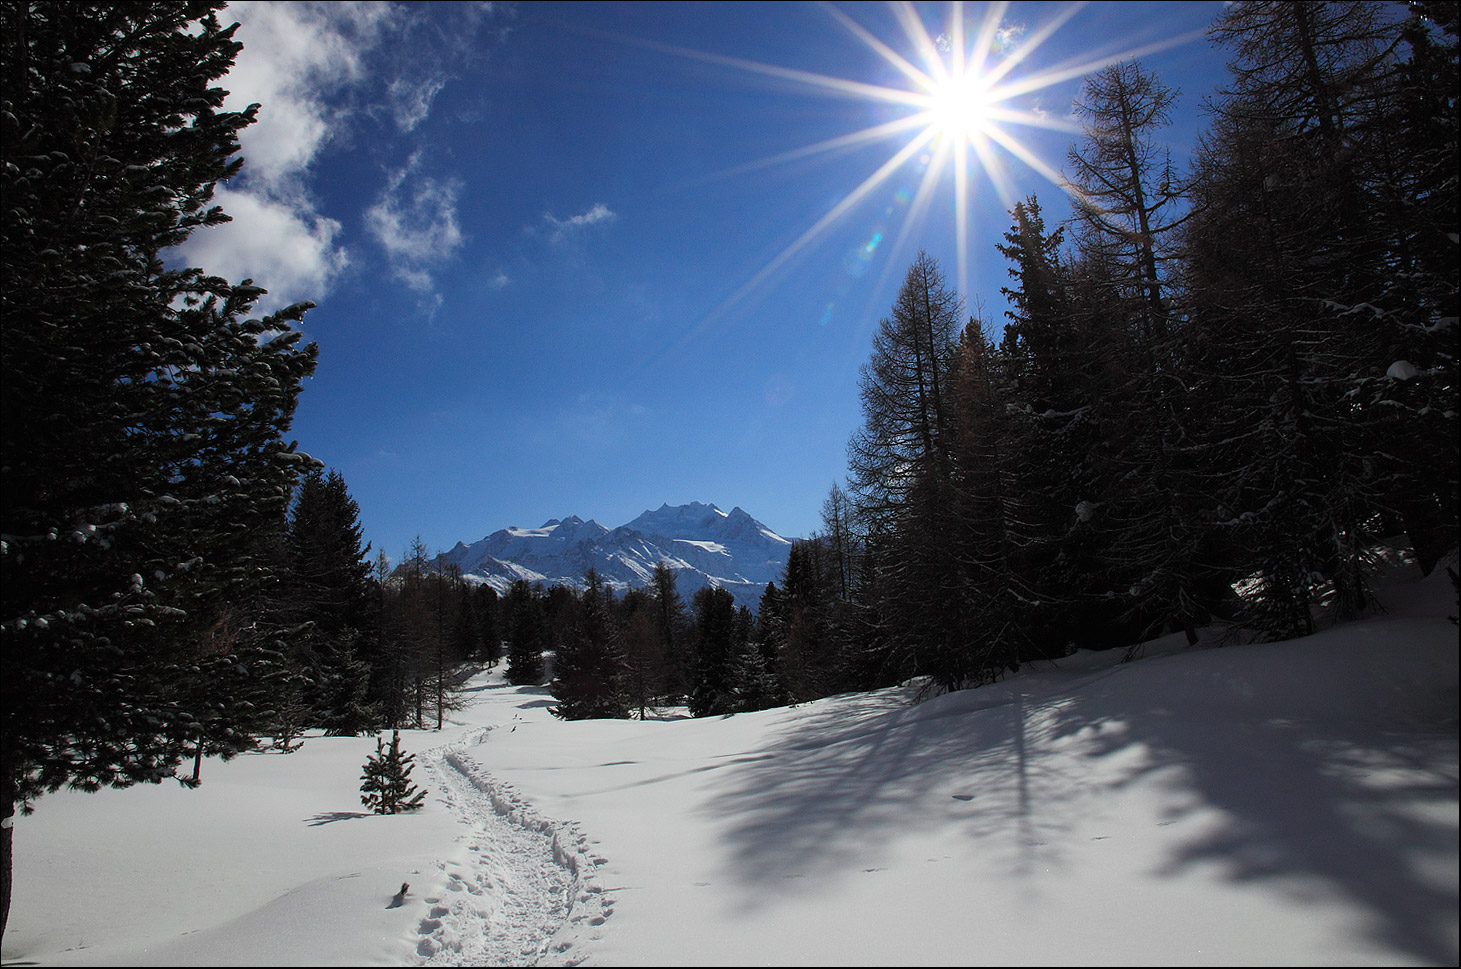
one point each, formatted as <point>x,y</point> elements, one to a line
<point>702,544</point>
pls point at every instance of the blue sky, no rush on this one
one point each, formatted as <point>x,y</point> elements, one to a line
<point>589,258</point>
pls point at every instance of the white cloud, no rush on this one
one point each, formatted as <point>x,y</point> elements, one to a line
<point>295,57</point>
<point>290,252</point>
<point>319,71</point>
<point>563,229</point>
<point>415,221</point>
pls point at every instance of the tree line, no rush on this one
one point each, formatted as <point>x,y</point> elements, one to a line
<point>1228,380</point>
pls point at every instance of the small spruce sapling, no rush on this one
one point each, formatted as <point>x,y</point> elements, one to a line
<point>386,786</point>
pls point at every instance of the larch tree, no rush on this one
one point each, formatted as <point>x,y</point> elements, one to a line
<point>1131,207</point>
<point>1322,309</point>
<point>145,468</point>
<point>900,473</point>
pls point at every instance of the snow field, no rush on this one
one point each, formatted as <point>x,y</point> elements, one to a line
<point>1284,804</point>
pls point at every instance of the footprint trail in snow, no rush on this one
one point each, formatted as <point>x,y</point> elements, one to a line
<point>521,890</point>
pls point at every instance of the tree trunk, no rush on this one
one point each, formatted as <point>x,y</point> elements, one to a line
<point>7,831</point>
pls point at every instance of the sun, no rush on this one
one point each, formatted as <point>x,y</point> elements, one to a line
<point>956,117</point>
<point>960,106</point>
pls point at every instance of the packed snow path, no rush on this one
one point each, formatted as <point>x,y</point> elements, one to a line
<point>520,889</point>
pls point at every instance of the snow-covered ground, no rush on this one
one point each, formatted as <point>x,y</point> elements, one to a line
<point>1280,804</point>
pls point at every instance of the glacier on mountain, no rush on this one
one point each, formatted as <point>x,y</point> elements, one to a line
<point>704,545</point>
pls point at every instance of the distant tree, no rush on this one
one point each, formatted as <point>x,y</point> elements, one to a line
<point>670,626</point>
<point>145,468</point>
<point>588,672</point>
<point>837,514</point>
<point>486,609</point>
<point>715,623</point>
<point>526,635</point>
<point>644,652</point>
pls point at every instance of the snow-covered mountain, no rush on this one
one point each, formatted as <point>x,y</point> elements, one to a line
<point>704,546</point>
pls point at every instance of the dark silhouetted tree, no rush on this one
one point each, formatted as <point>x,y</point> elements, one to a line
<point>145,468</point>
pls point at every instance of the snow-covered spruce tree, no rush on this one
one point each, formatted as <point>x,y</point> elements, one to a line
<point>143,464</point>
<point>385,786</point>
<point>330,590</point>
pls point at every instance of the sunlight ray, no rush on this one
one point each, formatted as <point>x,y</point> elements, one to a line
<point>998,173</point>
<point>937,70</point>
<point>917,211</point>
<point>862,136</point>
<point>878,47</point>
<point>878,177</point>
<point>1060,75</point>
<point>1030,119</point>
<point>837,85</point>
<point>961,213</point>
<point>1033,42</point>
<point>833,214</point>
<point>984,43</point>
<point>1014,147</point>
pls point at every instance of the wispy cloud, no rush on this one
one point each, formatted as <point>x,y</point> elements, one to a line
<point>561,230</point>
<point>415,222</point>
<point>1008,37</point>
<point>410,100</point>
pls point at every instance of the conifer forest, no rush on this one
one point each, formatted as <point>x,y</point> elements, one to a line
<point>1215,387</point>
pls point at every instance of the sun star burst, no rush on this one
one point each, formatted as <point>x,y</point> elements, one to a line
<point>957,118</point>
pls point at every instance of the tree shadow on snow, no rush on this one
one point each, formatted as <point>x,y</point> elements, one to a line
<point>1360,805</point>
<point>330,817</point>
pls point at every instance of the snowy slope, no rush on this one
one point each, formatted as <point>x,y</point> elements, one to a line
<point>701,543</point>
<point>1282,804</point>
